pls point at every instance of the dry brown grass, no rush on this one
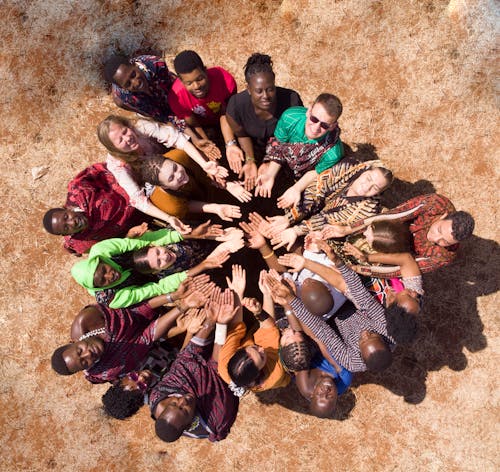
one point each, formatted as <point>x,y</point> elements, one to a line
<point>417,80</point>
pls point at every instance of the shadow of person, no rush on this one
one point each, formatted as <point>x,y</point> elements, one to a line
<point>449,322</point>
<point>290,398</point>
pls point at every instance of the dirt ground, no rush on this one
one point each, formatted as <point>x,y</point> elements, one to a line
<point>417,80</point>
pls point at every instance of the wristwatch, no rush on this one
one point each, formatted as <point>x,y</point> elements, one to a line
<point>231,142</point>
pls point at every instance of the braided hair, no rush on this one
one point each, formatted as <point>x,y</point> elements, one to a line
<point>256,64</point>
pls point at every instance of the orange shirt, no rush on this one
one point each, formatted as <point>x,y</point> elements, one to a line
<point>269,338</point>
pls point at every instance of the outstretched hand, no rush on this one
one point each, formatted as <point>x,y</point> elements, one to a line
<point>296,262</point>
<point>238,281</point>
<point>205,231</point>
<point>208,148</point>
<point>238,191</point>
<point>254,238</point>
<point>137,231</point>
<point>285,238</point>
<point>281,292</point>
<point>290,198</point>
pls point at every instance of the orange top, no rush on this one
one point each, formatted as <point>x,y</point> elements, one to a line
<point>269,338</point>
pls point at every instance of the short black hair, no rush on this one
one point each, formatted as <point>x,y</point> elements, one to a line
<point>379,360</point>
<point>166,432</point>
<point>58,363</point>
<point>112,65</point>
<point>462,224</point>
<point>120,403</point>
<point>401,325</point>
<point>47,220</point>
<point>256,64</point>
<point>187,61</point>
<point>242,369</point>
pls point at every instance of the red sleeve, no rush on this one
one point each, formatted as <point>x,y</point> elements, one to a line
<point>177,100</point>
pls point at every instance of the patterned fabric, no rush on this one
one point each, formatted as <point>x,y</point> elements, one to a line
<point>422,211</point>
<point>369,315</point>
<point>188,254</point>
<point>160,81</point>
<point>300,157</point>
<point>98,195</point>
<point>195,372</point>
<point>325,200</point>
<point>291,129</point>
<point>128,338</point>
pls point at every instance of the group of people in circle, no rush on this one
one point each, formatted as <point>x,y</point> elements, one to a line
<point>323,282</point>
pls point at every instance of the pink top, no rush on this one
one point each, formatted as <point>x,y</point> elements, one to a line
<point>208,109</point>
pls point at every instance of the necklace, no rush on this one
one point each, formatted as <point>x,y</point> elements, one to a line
<point>94,332</point>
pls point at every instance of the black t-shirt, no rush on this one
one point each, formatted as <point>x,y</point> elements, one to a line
<point>241,110</point>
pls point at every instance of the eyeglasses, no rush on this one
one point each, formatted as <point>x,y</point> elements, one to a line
<point>315,120</point>
<point>134,376</point>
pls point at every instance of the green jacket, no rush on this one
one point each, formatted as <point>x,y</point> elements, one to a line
<point>83,271</point>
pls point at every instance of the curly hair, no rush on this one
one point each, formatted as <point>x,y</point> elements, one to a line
<point>401,325</point>
<point>242,370</point>
<point>47,220</point>
<point>120,403</point>
<point>112,65</point>
<point>331,104</point>
<point>258,63</point>
<point>58,363</point>
<point>187,61</point>
<point>295,356</point>
<point>462,224</point>
<point>149,169</point>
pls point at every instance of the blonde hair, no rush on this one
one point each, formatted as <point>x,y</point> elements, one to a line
<point>103,136</point>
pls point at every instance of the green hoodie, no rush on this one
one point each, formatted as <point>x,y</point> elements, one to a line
<point>83,271</point>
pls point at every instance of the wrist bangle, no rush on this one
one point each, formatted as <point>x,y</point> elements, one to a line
<point>262,316</point>
<point>220,333</point>
<point>249,159</point>
<point>288,312</point>
<point>232,142</point>
<point>269,255</point>
<point>169,298</point>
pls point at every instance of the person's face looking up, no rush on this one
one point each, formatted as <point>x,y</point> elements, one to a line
<point>105,275</point>
<point>406,299</point>
<point>172,176</point>
<point>318,122</point>
<point>196,82</point>
<point>289,336</point>
<point>123,138</point>
<point>178,409</point>
<point>83,354</point>
<point>324,394</point>
<point>68,222</point>
<point>257,354</point>
<point>131,78</point>
<point>441,232</point>
<point>136,381</point>
<point>262,91</point>
<point>160,257</point>
<point>368,184</point>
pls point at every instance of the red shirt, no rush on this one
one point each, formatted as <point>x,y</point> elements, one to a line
<point>209,108</point>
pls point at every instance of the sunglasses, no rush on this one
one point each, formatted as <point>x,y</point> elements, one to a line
<point>323,125</point>
<point>134,376</point>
